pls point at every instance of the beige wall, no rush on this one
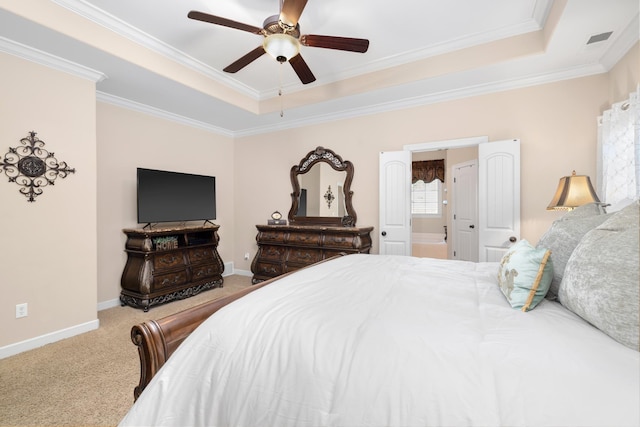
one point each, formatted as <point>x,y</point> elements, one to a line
<point>64,253</point>
<point>48,251</point>
<point>624,77</point>
<point>127,140</point>
<point>555,123</point>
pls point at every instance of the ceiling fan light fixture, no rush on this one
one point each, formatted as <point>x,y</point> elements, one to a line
<point>282,47</point>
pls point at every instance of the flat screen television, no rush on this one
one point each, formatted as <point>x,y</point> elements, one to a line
<point>165,196</point>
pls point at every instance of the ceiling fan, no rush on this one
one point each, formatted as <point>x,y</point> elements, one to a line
<point>282,39</point>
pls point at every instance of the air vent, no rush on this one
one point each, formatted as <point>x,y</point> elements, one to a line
<point>599,37</point>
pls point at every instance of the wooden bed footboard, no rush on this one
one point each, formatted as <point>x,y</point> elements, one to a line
<point>158,339</point>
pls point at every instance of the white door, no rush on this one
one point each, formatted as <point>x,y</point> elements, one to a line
<point>498,197</point>
<point>395,203</point>
<point>465,211</point>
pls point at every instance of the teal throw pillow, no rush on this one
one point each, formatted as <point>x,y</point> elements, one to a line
<point>525,275</point>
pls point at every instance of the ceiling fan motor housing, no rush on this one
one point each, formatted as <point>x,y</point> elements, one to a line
<point>272,25</point>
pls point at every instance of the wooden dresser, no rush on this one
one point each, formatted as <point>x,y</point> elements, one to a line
<point>284,248</point>
<point>168,264</point>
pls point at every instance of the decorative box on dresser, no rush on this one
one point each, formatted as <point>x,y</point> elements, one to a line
<point>168,264</point>
<point>285,248</point>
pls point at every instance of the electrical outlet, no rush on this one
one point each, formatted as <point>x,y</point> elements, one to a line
<point>21,310</point>
<point>246,256</point>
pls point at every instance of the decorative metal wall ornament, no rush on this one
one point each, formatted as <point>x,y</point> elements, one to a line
<point>329,197</point>
<point>32,167</point>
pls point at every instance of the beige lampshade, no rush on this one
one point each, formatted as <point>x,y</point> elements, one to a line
<point>573,191</point>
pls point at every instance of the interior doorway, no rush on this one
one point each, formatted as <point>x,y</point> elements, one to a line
<point>498,195</point>
<point>437,237</point>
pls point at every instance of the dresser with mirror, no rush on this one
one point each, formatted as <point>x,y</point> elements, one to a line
<point>321,221</point>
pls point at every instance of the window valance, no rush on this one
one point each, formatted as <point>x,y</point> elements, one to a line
<point>427,170</point>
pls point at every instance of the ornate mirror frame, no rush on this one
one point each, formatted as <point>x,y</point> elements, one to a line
<point>324,155</point>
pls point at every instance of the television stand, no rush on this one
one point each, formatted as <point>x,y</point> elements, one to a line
<point>167,264</point>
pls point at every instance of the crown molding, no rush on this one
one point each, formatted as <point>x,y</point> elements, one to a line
<point>539,15</point>
<point>536,23</point>
<point>628,38</point>
<point>162,114</point>
<point>118,26</point>
<point>432,98</point>
<point>100,17</point>
<point>43,58</point>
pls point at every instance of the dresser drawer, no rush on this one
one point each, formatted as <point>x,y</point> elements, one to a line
<point>267,269</point>
<point>203,271</point>
<point>304,255</point>
<point>168,260</point>
<point>169,280</point>
<point>332,253</point>
<point>340,241</point>
<point>200,255</point>
<point>271,237</point>
<point>272,253</point>
<point>304,238</point>
<point>293,267</point>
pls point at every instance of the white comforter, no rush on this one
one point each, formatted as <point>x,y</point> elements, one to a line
<point>370,340</point>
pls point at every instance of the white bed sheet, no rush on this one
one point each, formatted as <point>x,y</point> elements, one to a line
<point>371,340</point>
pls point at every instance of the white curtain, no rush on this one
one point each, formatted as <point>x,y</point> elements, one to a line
<point>619,152</point>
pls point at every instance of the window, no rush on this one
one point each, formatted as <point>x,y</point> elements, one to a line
<point>619,153</point>
<point>426,199</point>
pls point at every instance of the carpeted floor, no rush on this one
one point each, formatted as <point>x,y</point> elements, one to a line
<point>86,380</point>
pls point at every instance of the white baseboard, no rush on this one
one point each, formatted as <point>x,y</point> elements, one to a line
<point>30,344</point>
<point>228,269</point>
<point>108,304</point>
<point>243,273</point>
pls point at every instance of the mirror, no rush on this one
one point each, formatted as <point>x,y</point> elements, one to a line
<point>321,190</point>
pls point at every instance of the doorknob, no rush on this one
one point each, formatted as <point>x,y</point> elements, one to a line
<point>512,239</point>
<point>472,226</point>
<point>384,233</point>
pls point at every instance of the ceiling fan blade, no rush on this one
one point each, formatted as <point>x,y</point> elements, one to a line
<point>332,42</point>
<point>302,69</point>
<point>290,11</point>
<point>212,19</point>
<point>245,60</point>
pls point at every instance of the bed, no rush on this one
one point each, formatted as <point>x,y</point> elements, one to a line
<point>372,340</point>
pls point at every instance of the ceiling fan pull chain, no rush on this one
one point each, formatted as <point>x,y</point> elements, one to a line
<point>280,91</point>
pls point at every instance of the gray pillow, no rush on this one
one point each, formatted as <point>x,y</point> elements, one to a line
<point>601,280</point>
<point>565,234</point>
<point>589,209</point>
